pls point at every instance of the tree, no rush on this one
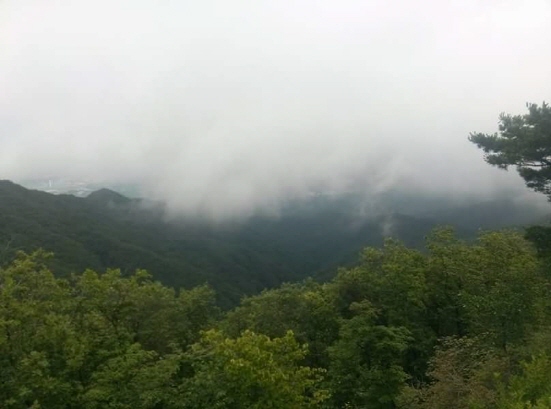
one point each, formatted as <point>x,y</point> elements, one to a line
<point>252,371</point>
<point>37,344</point>
<point>95,340</point>
<point>367,361</point>
<point>503,288</point>
<point>464,373</point>
<point>531,388</point>
<point>523,141</point>
<point>303,308</point>
<point>134,379</point>
<point>392,279</point>
<point>447,262</point>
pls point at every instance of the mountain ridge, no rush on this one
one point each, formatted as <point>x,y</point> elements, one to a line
<point>107,229</point>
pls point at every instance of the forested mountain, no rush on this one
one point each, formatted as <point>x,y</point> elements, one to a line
<point>439,319</point>
<point>275,205</point>
<point>107,229</point>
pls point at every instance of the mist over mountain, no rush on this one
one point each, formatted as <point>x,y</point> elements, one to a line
<point>286,173</point>
<point>310,237</point>
<point>231,110</point>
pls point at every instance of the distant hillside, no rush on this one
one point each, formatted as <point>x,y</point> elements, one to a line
<point>108,197</point>
<point>107,229</point>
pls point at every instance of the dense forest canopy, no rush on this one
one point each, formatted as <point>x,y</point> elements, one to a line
<point>459,325</point>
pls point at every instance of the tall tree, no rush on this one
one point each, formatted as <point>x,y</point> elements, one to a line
<point>366,368</point>
<point>252,371</point>
<point>523,141</point>
<point>306,309</point>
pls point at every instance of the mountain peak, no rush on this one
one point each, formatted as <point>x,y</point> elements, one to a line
<point>108,196</point>
<point>8,184</point>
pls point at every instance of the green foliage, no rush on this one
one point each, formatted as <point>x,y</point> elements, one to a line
<point>462,325</point>
<point>531,387</point>
<point>491,286</point>
<point>393,280</point>
<point>540,236</point>
<point>93,340</point>
<point>446,276</point>
<point>108,341</point>
<point>503,287</point>
<point>494,294</point>
<point>306,309</point>
<point>252,371</point>
<point>523,141</point>
<point>367,361</point>
<point>464,373</point>
<point>134,378</point>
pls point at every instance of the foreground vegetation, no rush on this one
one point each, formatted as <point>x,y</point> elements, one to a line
<point>460,325</point>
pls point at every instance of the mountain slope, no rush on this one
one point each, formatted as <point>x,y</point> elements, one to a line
<point>107,229</point>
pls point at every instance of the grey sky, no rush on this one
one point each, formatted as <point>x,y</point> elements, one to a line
<point>226,107</point>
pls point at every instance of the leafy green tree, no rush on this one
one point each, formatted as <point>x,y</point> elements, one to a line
<point>531,388</point>
<point>38,346</point>
<point>396,277</point>
<point>523,141</point>
<point>493,286</point>
<point>137,309</point>
<point>503,288</point>
<point>540,236</point>
<point>392,280</point>
<point>464,373</point>
<point>96,340</point>
<point>447,264</point>
<point>135,379</point>
<point>367,362</point>
<point>252,371</point>
<point>306,309</point>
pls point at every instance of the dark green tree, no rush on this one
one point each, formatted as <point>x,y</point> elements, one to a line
<point>393,280</point>
<point>366,368</point>
<point>523,141</point>
<point>306,309</point>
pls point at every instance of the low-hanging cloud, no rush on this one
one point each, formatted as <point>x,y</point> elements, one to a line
<point>229,108</point>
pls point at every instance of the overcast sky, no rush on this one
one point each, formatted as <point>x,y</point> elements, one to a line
<point>225,107</point>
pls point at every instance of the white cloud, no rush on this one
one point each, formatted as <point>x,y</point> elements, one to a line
<point>226,108</point>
